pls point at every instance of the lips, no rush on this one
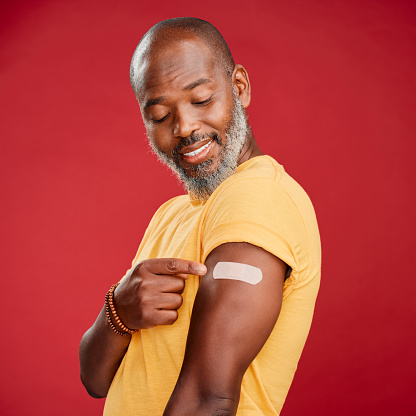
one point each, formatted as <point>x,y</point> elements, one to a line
<point>196,155</point>
<point>197,151</point>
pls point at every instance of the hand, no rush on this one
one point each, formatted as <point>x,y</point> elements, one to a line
<point>151,295</point>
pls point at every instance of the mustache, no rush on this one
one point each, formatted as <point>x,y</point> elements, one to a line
<point>194,138</point>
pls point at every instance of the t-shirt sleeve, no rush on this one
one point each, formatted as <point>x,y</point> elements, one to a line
<point>258,211</point>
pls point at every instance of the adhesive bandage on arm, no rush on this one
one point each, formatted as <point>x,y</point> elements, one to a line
<point>237,271</point>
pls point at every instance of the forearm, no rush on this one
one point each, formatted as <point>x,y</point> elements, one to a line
<point>100,354</point>
<point>148,297</point>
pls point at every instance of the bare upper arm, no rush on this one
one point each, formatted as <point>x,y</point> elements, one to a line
<point>231,321</point>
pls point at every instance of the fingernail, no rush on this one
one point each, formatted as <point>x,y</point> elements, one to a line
<point>201,269</point>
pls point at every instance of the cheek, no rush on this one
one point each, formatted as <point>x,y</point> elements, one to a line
<point>160,139</point>
<point>218,117</point>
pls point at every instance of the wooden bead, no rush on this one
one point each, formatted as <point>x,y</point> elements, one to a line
<point>110,311</point>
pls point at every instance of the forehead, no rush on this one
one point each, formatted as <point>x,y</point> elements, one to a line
<point>175,65</point>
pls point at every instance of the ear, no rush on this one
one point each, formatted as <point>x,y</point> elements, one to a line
<point>241,85</point>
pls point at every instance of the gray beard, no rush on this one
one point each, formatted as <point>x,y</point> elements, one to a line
<point>204,183</point>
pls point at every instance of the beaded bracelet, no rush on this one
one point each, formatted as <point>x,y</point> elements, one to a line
<point>110,310</point>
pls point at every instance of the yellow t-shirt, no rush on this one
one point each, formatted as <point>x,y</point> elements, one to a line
<point>262,205</point>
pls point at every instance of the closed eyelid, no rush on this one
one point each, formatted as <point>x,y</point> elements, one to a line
<point>157,112</point>
<point>197,102</point>
<point>160,119</point>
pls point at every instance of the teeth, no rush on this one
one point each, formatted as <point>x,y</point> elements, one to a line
<point>198,151</point>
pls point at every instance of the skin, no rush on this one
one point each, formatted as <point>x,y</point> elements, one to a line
<point>231,320</point>
<point>170,77</point>
<point>230,323</point>
<point>150,296</point>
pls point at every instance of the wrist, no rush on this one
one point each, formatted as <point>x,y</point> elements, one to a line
<point>113,319</point>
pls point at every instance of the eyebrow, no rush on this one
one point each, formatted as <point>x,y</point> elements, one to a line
<point>153,101</point>
<point>191,86</point>
<point>200,81</point>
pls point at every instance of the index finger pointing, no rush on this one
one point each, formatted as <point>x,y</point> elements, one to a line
<point>175,266</point>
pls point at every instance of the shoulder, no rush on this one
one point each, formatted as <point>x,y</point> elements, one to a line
<point>262,205</point>
<point>170,208</point>
<point>259,191</point>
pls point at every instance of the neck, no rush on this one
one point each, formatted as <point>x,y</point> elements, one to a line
<point>250,149</point>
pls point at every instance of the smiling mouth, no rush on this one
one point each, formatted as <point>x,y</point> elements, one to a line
<point>198,151</point>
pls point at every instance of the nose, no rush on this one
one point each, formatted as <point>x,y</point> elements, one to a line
<point>185,124</point>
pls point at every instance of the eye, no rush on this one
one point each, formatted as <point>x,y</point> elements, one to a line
<point>160,120</point>
<point>205,102</point>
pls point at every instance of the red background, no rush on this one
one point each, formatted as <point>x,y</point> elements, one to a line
<point>333,101</point>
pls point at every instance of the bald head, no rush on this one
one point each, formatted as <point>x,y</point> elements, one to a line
<point>180,29</point>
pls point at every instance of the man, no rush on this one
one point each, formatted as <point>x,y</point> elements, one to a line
<point>213,315</point>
